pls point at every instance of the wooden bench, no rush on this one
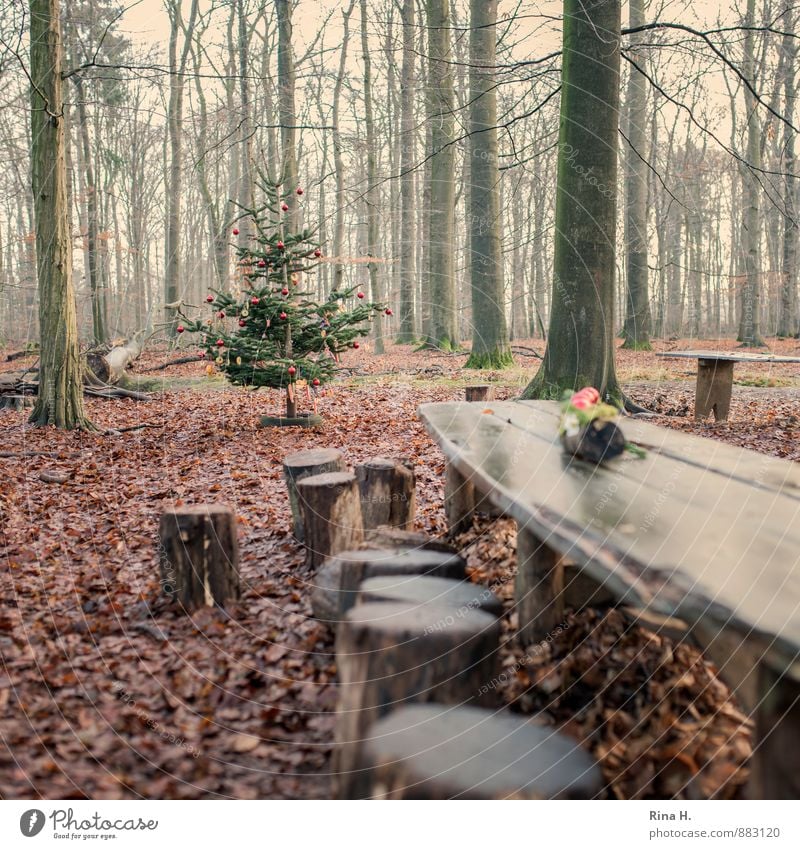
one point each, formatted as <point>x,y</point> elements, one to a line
<point>696,531</point>
<point>715,378</point>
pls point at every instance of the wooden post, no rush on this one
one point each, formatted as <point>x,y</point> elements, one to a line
<point>459,500</point>
<point>388,494</point>
<point>437,752</point>
<point>538,590</point>
<point>387,654</point>
<point>199,555</point>
<point>774,764</point>
<point>479,393</point>
<point>305,464</point>
<point>331,512</point>
<point>714,389</point>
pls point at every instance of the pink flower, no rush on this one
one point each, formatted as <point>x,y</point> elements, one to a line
<point>580,402</point>
<point>591,393</point>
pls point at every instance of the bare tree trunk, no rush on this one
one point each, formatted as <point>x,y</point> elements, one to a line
<point>637,318</point>
<point>750,322</point>
<point>580,342</point>
<point>407,330</point>
<point>371,197</point>
<point>338,163</point>
<point>443,332</point>
<point>787,323</point>
<point>172,250</point>
<point>286,108</point>
<point>490,348</point>
<point>60,398</point>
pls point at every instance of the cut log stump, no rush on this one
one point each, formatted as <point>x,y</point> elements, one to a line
<point>388,495</point>
<point>337,582</point>
<point>437,752</point>
<point>199,555</point>
<point>331,515</point>
<point>306,464</point>
<point>386,537</point>
<point>714,389</point>
<point>387,655</point>
<point>479,393</point>
<point>425,589</point>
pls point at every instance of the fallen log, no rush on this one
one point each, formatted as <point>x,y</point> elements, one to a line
<point>110,367</point>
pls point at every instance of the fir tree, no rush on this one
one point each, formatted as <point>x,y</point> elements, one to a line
<point>270,333</point>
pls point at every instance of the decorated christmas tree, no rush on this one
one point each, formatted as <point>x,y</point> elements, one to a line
<point>271,332</point>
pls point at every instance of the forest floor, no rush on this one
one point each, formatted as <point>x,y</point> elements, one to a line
<point>107,692</point>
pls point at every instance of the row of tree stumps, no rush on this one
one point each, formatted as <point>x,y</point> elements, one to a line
<point>416,642</point>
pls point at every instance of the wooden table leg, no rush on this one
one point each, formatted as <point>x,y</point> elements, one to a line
<point>539,588</point>
<point>714,387</point>
<point>774,773</point>
<point>459,500</point>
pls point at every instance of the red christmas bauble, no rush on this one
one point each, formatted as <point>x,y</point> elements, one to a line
<point>254,300</point>
<point>284,291</point>
<point>317,253</point>
<point>201,355</point>
<point>292,370</point>
<point>356,345</point>
<point>235,232</point>
<point>285,207</point>
<point>315,381</point>
<point>242,322</point>
<point>262,264</point>
<point>280,246</point>
<point>388,312</point>
<point>360,296</point>
<point>282,316</point>
<point>299,190</point>
<point>180,328</point>
<point>220,343</point>
<point>220,314</point>
<point>209,299</point>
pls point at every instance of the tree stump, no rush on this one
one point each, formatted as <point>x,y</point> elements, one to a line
<point>331,512</point>
<point>479,393</point>
<point>425,589</point>
<point>16,402</point>
<point>306,464</point>
<point>387,654</point>
<point>388,494</point>
<point>386,537</point>
<point>199,555</point>
<point>436,752</point>
<point>338,581</point>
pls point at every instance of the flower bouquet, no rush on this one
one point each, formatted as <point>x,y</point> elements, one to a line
<point>588,428</point>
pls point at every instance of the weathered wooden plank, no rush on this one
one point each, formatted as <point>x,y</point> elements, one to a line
<point>710,455</point>
<point>729,355</point>
<point>670,541</point>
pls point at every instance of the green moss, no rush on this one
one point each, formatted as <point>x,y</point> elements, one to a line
<point>631,344</point>
<point>499,358</point>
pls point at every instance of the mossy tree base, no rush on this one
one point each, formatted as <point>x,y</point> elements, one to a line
<point>542,389</point>
<point>631,344</point>
<point>496,359</point>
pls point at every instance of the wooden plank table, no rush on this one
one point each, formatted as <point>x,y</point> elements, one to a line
<point>699,531</point>
<point>715,377</point>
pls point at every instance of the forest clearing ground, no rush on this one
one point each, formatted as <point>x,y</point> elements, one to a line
<point>106,692</point>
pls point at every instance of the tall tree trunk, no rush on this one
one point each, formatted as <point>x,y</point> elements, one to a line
<point>371,197</point>
<point>286,110</point>
<point>787,320</point>
<point>750,320</point>
<point>338,162</point>
<point>637,317</point>
<point>443,331</point>
<point>580,342</point>
<point>60,398</point>
<point>172,249</point>
<point>490,348</point>
<point>246,194</point>
<point>407,328</point>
